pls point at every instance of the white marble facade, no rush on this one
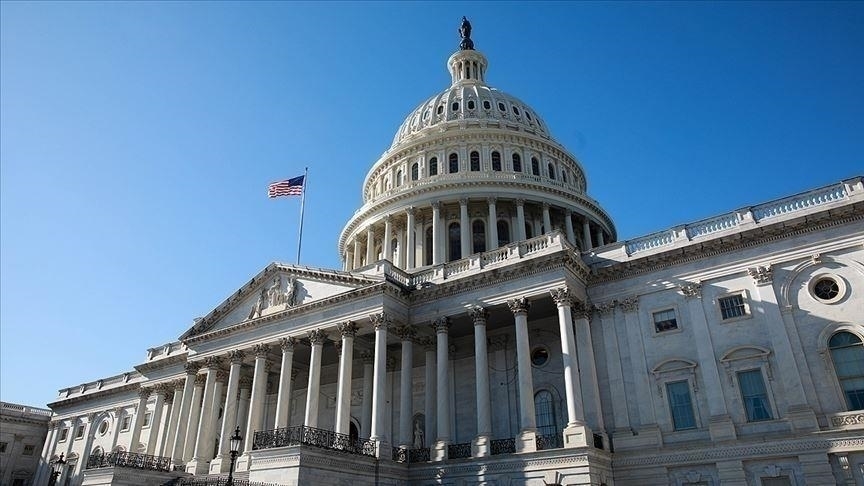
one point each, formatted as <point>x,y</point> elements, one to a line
<point>488,326</point>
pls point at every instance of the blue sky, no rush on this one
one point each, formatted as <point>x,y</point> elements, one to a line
<point>137,139</point>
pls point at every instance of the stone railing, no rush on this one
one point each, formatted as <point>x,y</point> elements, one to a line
<point>310,436</point>
<point>130,460</point>
<point>503,446</point>
<point>549,441</point>
<point>459,451</point>
<point>215,481</point>
<point>800,202</point>
<point>24,409</point>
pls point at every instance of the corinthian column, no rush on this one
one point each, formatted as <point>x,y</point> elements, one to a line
<point>406,335</point>
<point>480,446</point>
<point>171,433</point>
<point>229,414</point>
<point>520,220</point>
<point>283,401</point>
<point>316,339</point>
<point>410,246</point>
<point>366,412</point>
<point>547,221</point>
<point>138,420</point>
<point>156,419</point>
<point>568,226</point>
<point>464,228</point>
<point>343,394</point>
<point>379,381</point>
<point>441,326</point>
<point>370,245</point>
<point>526,441</point>
<point>204,438</point>
<point>256,402</point>
<point>436,234</point>
<point>387,247</point>
<point>492,240</point>
<point>574,434</point>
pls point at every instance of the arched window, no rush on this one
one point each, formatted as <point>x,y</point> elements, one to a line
<point>496,161</point>
<point>433,166</point>
<point>529,231</point>
<point>551,169</point>
<point>478,236</point>
<point>535,166</point>
<point>503,232</point>
<point>97,451</point>
<point>517,163</point>
<point>427,247</point>
<point>544,407</point>
<point>847,353</point>
<point>475,161</point>
<point>394,251</point>
<point>398,178</point>
<point>454,163</point>
<point>564,175</point>
<point>454,238</point>
<point>415,172</point>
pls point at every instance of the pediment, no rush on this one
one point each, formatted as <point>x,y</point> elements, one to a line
<point>745,352</point>
<point>275,289</point>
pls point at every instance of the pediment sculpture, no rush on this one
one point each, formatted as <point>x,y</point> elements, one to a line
<point>274,297</point>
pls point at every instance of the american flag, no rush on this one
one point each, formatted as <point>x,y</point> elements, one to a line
<point>290,187</point>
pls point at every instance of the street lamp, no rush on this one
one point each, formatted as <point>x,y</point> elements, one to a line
<point>236,440</point>
<point>56,469</point>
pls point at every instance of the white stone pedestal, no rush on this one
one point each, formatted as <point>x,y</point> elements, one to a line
<point>197,466</point>
<point>438,451</point>
<point>577,436</point>
<point>721,428</point>
<point>481,447</point>
<point>526,441</point>
<point>384,451</point>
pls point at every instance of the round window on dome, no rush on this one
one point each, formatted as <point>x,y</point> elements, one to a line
<point>528,115</point>
<point>516,111</point>
<point>426,115</point>
<point>487,105</point>
<point>827,289</point>
<point>501,106</point>
<point>440,109</point>
<point>470,104</point>
<point>540,356</point>
<point>454,106</point>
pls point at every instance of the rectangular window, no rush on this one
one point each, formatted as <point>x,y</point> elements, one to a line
<point>147,418</point>
<point>3,447</point>
<point>754,395</point>
<point>79,432</point>
<point>680,405</point>
<point>732,306</point>
<point>28,450</point>
<point>665,321</point>
<point>64,433</point>
<point>126,422</point>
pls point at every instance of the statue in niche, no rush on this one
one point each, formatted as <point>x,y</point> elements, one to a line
<point>418,435</point>
<point>259,305</point>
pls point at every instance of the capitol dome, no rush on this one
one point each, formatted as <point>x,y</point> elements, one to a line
<point>471,169</point>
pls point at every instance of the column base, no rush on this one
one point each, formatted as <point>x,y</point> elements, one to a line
<point>243,462</point>
<point>721,428</point>
<point>802,418</point>
<point>197,466</point>
<point>526,441</point>
<point>220,464</point>
<point>481,446</point>
<point>438,451</point>
<point>577,436</point>
<point>384,450</point>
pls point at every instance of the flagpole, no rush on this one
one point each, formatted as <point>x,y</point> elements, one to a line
<point>302,205</point>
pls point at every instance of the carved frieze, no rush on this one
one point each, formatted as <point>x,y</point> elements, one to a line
<point>692,290</point>
<point>762,274</point>
<point>630,304</point>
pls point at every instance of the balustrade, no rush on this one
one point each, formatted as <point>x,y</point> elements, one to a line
<point>550,441</point>
<point>311,436</point>
<point>130,460</point>
<point>503,446</point>
<point>459,451</point>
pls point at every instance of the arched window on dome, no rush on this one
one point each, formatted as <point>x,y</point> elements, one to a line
<point>544,406</point>
<point>517,163</point>
<point>475,161</point>
<point>503,233</point>
<point>399,179</point>
<point>433,166</point>
<point>427,247</point>
<point>415,171</point>
<point>564,175</point>
<point>454,163</point>
<point>496,161</point>
<point>394,251</point>
<point>535,166</point>
<point>551,169</point>
<point>454,241</point>
<point>478,236</point>
<point>847,354</point>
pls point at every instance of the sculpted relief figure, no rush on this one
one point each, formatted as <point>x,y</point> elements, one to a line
<point>274,293</point>
<point>273,296</point>
<point>289,297</point>
<point>259,305</point>
<point>418,435</point>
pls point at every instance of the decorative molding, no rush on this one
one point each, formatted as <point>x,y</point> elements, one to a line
<point>519,306</point>
<point>561,296</point>
<point>478,314</point>
<point>441,325</point>
<point>317,337</point>
<point>629,304</point>
<point>605,308</point>
<point>762,275</point>
<point>347,329</point>
<point>692,290</point>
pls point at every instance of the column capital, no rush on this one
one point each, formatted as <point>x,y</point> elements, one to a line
<point>441,325</point>
<point>605,308</point>
<point>235,356</point>
<point>582,310</point>
<point>347,329</point>
<point>212,362</point>
<point>520,202</point>
<point>410,210</point>
<point>519,306</point>
<point>287,344</point>
<point>367,357</point>
<point>406,333</point>
<point>91,417</point>
<point>561,296</point>
<point>379,320</point>
<point>463,201</point>
<point>261,350</point>
<point>245,382</point>
<point>221,376</point>
<point>546,205</point>
<point>200,380</point>
<point>316,337</point>
<point>144,393</point>
<point>165,389</point>
<point>762,275</point>
<point>630,304</point>
<point>179,384</point>
<point>479,315</point>
<point>568,212</point>
<point>491,200</point>
<point>692,290</point>
<point>436,205</point>
<point>192,367</point>
<point>428,343</point>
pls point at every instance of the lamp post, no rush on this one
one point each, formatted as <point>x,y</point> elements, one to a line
<point>236,440</point>
<point>56,469</point>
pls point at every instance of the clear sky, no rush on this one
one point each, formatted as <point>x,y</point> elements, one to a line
<point>137,139</point>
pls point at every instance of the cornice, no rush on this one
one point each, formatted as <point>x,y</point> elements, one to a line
<point>719,246</point>
<point>162,363</point>
<point>64,402</point>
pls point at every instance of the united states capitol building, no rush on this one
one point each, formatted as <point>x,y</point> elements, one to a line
<point>488,327</point>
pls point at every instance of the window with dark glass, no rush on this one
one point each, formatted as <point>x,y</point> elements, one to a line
<point>754,395</point>
<point>28,450</point>
<point>475,161</point>
<point>415,172</point>
<point>551,169</point>
<point>433,166</point>
<point>478,236</point>
<point>427,247</point>
<point>398,178</point>
<point>454,106</point>
<point>454,163</point>
<point>528,115</point>
<point>440,109</point>
<point>516,111</point>
<point>470,104</point>
<point>501,106</point>
<point>496,161</point>
<point>564,175</point>
<point>665,320</point>
<point>847,353</point>
<point>680,405</point>
<point>535,166</point>
<point>732,306</point>
<point>503,232</point>
<point>826,289</point>
<point>454,237</point>
<point>487,105</point>
<point>517,163</point>
<point>529,231</point>
<point>545,413</point>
